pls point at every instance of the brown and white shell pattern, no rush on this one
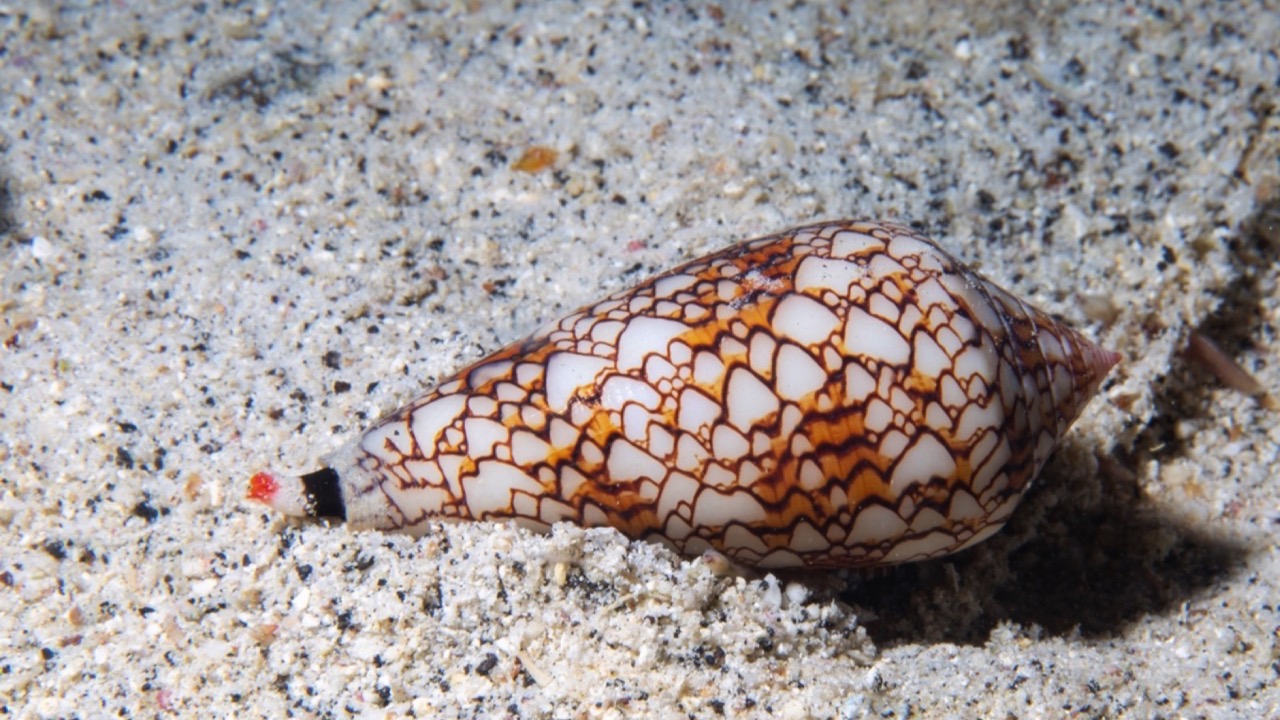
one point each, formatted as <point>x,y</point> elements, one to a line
<point>844,394</point>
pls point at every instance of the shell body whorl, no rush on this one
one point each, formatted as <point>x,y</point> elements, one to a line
<point>838,395</point>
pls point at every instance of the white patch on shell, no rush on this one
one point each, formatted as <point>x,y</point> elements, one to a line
<point>817,274</point>
<point>490,489</point>
<point>797,374</point>
<point>871,337</point>
<point>627,462</point>
<point>619,390</point>
<point>717,510</point>
<point>875,524</point>
<point>567,373</point>
<point>804,320</point>
<point>848,242</point>
<point>696,410</point>
<point>431,419</point>
<point>927,458</point>
<point>482,435</point>
<point>645,336</point>
<point>748,399</point>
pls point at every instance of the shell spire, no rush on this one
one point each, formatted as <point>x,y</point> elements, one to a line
<point>843,394</point>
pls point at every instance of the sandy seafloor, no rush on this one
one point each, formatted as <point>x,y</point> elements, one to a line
<point>235,233</point>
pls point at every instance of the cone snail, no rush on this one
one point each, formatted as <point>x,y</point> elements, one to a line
<point>844,394</point>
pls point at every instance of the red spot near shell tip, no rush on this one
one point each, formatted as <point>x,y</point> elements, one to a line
<point>263,488</point>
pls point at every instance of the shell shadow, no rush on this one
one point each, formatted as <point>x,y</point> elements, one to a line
<point>1089,554</point>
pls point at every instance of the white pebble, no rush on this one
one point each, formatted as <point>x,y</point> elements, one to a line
<point>797,593</point>
<point>41,249</point>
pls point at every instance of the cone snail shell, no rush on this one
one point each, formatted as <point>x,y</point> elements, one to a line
<point>843,394</point>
